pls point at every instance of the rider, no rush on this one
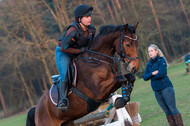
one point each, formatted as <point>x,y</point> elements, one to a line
<point>73,42</point>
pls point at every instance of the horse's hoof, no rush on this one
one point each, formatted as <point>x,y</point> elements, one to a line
<point>119,103</point>
<point>127,99</point>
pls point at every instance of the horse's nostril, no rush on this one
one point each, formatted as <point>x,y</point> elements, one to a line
<point>133,70</point>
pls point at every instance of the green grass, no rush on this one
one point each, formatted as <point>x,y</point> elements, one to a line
<point>151,113</point>
<point>16,120</point>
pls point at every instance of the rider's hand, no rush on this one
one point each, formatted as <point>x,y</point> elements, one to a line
<point>83,49</point>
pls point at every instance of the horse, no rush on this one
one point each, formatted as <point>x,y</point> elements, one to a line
<point>96,75</point>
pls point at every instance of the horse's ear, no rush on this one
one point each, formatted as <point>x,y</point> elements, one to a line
<point>135,27</point>
<point>125,27</point>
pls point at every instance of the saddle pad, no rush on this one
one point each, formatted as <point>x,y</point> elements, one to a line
<point>53,93</point>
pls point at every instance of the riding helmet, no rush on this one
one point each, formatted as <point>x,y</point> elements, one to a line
<point>83,10</point>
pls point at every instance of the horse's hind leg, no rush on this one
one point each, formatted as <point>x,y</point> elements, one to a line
<point>30,117</point>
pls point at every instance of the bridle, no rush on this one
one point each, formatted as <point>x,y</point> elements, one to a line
<point>122,54</point>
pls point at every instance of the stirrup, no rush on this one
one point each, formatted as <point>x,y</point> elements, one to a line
<point>63,104</point>
<point>55,79</point>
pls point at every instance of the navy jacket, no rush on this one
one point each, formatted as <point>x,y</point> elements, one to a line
<point>160,80</point>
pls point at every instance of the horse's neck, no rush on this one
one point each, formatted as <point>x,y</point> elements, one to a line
<point>102,78</point>
<point>105,44</point>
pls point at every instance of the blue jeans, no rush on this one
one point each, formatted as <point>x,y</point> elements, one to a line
<point>62,60</point>
<point>166,100</point>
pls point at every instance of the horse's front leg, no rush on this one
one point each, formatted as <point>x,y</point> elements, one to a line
<point>126,91</point>
<point>128,87</point>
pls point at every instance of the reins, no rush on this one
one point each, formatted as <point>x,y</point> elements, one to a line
<point>122,52</point>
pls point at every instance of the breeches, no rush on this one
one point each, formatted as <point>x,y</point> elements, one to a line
<point>166,100</point>
<point>62,61</point>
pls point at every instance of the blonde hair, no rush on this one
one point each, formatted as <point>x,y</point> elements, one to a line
<point>159,51</point>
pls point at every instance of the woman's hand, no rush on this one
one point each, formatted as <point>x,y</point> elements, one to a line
<point>155,72</point>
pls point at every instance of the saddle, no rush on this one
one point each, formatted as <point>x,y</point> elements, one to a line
<point>71,82</point>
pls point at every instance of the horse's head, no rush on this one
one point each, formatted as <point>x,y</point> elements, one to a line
<point>126,47</point>
<point>114,36</point>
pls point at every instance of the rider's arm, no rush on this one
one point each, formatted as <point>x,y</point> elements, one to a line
<point>71,50</point>
<point>69,39</point>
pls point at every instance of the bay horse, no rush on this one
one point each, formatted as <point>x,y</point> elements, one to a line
<point>95,82</point>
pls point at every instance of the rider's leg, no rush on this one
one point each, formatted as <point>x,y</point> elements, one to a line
<point>63,103</point>
<point>62,61</point>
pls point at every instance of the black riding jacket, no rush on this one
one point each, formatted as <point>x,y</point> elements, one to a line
<point>76,39</point>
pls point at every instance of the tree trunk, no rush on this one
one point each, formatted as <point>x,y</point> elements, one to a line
<point>118,4</point>
<point>3,104</point>
<point>111,13</point>
<point>117,14</point>
<point>44,83</point>
<point>64,12</point>
<point>159,29</point>
<point>99,12</point>
<point>143,45</point>
<point>25,85</point>
<point>185,13</point>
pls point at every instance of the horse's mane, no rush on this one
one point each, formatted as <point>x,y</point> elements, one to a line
<point>112,28</point>
<point>107,29</point>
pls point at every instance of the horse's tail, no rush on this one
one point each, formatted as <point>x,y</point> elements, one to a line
<point>30,117</point>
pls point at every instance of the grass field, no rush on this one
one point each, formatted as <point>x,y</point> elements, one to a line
<point>150,112</point>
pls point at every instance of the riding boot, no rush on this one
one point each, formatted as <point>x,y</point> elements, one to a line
<point>178,119</point>
<point>171,120</point>
<point>64,102</point>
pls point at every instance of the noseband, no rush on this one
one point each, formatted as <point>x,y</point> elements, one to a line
<point>122,52</point>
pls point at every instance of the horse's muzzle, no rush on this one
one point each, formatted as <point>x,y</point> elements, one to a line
<point>133,70</point>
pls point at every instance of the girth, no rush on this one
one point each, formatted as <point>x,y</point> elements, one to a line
<point>91,103</point>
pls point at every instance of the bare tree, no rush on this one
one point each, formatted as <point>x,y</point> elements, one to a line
<point>3,104</point>
<point>99,12</point>
<point>185,13</point>
<point>159,28</point>
<point>111,12</point>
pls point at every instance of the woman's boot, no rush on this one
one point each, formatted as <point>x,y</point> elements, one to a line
<point>178,119</point>
<point>171,120</point>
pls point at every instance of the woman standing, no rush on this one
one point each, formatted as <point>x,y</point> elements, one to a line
<point>156,70</point>
<point>73,42</point>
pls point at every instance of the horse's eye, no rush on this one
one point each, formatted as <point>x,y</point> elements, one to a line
<point>127,45</point>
